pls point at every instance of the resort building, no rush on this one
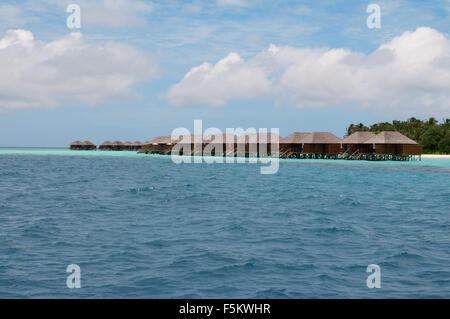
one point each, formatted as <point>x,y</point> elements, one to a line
<point>127,146</point>
<point>85,146</point>
<point>136,146</point>
<point>158,145</point>
<point>194,142</point>
<point>292,145</point>
<point>393,145</point>
<point>353,144</point>
<point>388,145</point>
<point>117,146</point>
<point>321,145</point>
<point>256,144</point>
<point>77,145</point>
<point>88,145</point>
<point>105,146</point>
<point>220,144</point>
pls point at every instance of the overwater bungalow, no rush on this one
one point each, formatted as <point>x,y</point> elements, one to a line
<point>291,146</point>
<point>297,145</point>
<point>321,145</point>
<point>127,146</point>
<point>105,146</point>
<point>85,146</point>
<point>146,143</point>
<point>146,147</point>
<point>89,145</point>
<point>158,145</point>
<point>77,145</point>
<point>118,146</point>
<point>136,146</point>
<point>353,144</point>
<point>193,141</point>
<point>393,145</point>
<point>257,144</point>
<point>220,144</point>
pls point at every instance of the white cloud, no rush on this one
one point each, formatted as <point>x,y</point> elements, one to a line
<point>36,74</point>
<point>409,74</point>
<point>214,84</point>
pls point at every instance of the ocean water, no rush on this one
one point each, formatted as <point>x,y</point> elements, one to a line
<point>142,226</point>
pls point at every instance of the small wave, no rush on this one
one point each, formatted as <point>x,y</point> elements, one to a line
<point>272,293</point>
<point>244,267</point>
<point>234,228</point>
<point>407,256</point>
<point>334,230</point>
<point>157,243</point>
<point>141,189</point>
<point>37,232</point>
<point>349,202</point>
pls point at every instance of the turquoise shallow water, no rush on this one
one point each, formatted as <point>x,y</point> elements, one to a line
<point>142,226</point>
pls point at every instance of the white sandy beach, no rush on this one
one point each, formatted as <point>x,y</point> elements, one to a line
<point>435,156</point>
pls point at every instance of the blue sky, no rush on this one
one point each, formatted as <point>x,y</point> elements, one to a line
<point>56,91</point>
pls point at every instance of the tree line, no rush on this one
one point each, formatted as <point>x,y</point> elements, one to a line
<point>434,136</point>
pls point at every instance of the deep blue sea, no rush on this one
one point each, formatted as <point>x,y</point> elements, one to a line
<point>142,226</point>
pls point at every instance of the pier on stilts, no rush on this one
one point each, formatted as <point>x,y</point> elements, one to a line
<point>366,146</point>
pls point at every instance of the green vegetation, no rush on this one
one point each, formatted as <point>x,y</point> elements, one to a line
<point>434,136</point>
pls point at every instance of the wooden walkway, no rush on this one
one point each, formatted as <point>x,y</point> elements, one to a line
<point>342,156</point>
<point>354,156</point>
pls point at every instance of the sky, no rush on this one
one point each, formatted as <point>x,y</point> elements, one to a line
<point>138,69</point>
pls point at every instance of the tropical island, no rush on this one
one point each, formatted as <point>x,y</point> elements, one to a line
<point>432,135</point>
<point>399,140</point>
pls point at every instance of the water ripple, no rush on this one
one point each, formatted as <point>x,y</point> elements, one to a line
<point>141,226</point>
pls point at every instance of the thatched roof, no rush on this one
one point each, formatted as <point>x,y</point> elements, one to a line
<point>193,138</point>
<point>77,143</point>
<point>259,137</point>
<point>137,143</point>
<point>390,137</point>
<point>294,138</point>
<point>128,143</point>
<point>89,143</point>
<point>358,138</point>
<point>117,143</point>
<point>321,138</point>
<point>106,143</point>
<point>160,140</point>
<point>221,138</point>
